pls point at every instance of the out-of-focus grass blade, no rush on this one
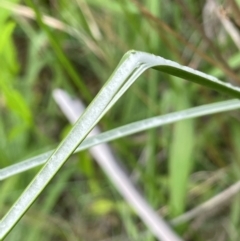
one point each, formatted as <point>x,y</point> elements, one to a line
<point>60,54</point>
<point>132,65</point>
<point>9,66</point>
<point>180,160</point>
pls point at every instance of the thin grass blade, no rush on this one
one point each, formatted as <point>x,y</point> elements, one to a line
<point>130,68</point>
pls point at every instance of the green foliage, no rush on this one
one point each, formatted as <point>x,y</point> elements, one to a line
<point>181,159</point>
<point>79,56</point>
<point>20,116</point>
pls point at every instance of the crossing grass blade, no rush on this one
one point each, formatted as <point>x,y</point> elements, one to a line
<point>123,131</point>
<point>132,65</point>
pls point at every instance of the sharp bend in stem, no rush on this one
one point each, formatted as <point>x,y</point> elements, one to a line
<point>131,66</point>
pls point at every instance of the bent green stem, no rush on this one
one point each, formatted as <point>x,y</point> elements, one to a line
<point>131,66</point>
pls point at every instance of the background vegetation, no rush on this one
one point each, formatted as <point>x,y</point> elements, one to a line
<point>177,167</point>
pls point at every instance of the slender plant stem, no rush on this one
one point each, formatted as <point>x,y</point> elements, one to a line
<point>123,131</point>
<point>132,65</point>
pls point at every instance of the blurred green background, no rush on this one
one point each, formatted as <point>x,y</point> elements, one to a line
<point>176,167</point>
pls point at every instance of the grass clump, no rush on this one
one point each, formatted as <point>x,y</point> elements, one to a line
<point>178,167</point>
